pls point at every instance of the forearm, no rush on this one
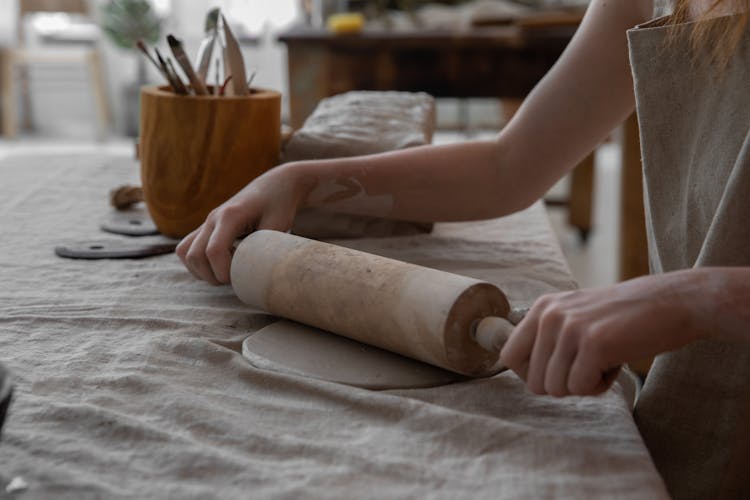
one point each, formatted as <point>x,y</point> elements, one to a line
<point>570,342</point>
<point>586,94</point>
<point>452,182</point>
<point>713,302</point>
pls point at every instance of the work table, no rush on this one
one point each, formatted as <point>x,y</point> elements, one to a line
<point>130,382</point>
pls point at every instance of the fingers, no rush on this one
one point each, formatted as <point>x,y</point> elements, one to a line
<point>207,251</point>
<point>555,352</point>
<point>558,367</point>
<point>516,352</point>
<point>219,245</point>
<point>196,259</point>
<point>589,373</point>
<point>550,321</point>
<point>184,246</point>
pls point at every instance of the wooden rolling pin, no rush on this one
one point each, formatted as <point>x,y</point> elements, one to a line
<point>444,319</point>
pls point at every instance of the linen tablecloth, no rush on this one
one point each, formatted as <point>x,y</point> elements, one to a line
<point>130,381</point>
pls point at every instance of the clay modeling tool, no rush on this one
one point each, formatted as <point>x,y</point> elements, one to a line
<point>443,319</point>
<point>142,47</point>
<point>181,88</point>
<point>224,86</point>
<point>217,82</point>
<point>182,59</point>
<point>225,64</point>
<point>206,49</point>
<point>163,65</point>
<point>125,196</point>
<point>174,80</point>
<point>233,57</point>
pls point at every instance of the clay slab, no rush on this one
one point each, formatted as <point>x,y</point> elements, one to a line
<point>293,348</point>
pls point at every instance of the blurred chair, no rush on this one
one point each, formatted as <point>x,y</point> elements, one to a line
<point>76,45</point>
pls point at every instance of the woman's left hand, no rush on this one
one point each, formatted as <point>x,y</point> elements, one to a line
<point>573,343</point>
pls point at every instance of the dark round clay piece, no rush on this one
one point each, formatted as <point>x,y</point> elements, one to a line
<point>112,249</point>
<point>130,223</point>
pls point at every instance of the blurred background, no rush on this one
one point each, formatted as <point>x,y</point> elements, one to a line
<point>70,77</point>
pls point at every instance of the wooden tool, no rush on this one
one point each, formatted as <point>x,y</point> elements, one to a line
<point>210,29</point>
<point>196,83</point>
<point>179,87</point>
<point>426,314</point>
<point>234,60</point>
<point>142,47</point>
<point>173,78</point>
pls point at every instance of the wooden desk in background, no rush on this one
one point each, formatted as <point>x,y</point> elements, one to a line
<point>500,62</point>
<point>503,62</point>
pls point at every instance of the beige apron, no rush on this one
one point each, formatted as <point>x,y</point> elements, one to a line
<point>694,411</point>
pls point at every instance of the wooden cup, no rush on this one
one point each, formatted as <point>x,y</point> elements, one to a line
<point>197,151</point>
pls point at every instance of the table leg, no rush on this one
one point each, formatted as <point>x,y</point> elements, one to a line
<point>633,243</point>
<point>8,94</point>
<point>581,195</point>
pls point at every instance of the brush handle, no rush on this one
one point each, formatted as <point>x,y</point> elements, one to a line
<point>148,55</point>
<point>182,59</point>
<point>173,79</point>
<point>176,81</point>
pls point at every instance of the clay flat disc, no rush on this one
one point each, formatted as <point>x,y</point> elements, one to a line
<point>133,222</point>
<point>112,249</point>
<point>289,347</point>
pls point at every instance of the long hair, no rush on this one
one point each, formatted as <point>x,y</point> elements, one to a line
<point>721,37</point>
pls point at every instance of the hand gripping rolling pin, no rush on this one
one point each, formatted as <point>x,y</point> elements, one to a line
<point>443,319</point>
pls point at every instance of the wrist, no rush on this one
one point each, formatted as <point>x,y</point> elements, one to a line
<point>700,298</point>
<point>299,176</point>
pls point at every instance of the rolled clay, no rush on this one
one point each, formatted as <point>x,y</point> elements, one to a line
<point>292,348</point>
<point>422,313</point>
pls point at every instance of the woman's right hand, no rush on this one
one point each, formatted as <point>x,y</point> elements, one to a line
<point>268,202</point>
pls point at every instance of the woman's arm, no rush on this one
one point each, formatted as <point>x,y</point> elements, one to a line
<point>572,342</point>
<point>584,96</point>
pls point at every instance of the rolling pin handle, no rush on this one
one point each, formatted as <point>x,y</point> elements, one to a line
<point>491,333</point>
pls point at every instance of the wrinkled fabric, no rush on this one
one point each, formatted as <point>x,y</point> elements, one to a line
<point>130,381</point>
<point>694,411</point>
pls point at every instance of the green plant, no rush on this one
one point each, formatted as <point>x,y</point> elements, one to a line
<point>127,21</point>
